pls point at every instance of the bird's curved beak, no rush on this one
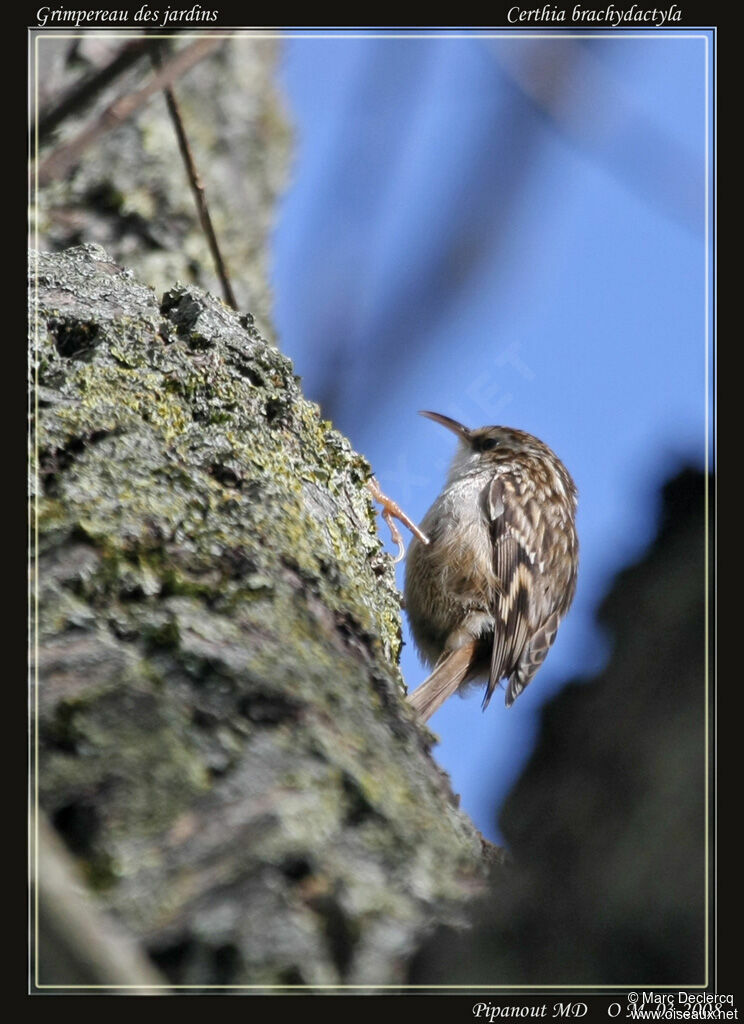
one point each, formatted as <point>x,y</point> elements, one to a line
<point>450,424</point>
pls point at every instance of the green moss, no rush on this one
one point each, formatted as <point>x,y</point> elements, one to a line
<point>222,663</point>
<point>100,872</point>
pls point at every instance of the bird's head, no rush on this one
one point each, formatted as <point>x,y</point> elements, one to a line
<point>483,447</point>
<point>486,444</point>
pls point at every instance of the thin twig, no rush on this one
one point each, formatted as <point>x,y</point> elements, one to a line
<point>65,156</point>
<point>84,92</point>
<point>197,187</point>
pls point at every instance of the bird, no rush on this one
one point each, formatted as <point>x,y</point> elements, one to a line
<point>486,595</point>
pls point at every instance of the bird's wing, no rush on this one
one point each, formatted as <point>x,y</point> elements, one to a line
<point>524,607</point>
<point>554,594</point>
<point>532,658</point>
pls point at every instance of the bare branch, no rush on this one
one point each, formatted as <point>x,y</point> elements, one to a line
<point>78,943</point>
<point>64,157</point>
<point>85,91</point>
<point>197,187</point>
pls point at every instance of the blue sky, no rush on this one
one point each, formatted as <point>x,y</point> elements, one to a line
<point>507,231</point>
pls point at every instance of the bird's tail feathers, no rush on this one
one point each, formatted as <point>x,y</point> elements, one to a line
<point>443,682</point>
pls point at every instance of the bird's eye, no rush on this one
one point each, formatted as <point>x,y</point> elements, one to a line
<point>488,443</point>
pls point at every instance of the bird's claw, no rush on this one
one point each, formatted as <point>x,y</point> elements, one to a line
<point>391,511</point>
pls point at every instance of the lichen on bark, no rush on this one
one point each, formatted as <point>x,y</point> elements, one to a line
<point>224,743</point>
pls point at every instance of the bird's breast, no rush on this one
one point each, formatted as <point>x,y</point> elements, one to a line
<point>463,539</point>
<point>451,580</point>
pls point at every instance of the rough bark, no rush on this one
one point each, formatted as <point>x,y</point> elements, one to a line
<point>77,942</point>
<point>223,740</point>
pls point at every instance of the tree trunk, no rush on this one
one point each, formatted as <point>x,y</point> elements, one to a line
<point>222,737</point>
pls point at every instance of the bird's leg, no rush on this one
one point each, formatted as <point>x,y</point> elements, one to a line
<point>391,510</point>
